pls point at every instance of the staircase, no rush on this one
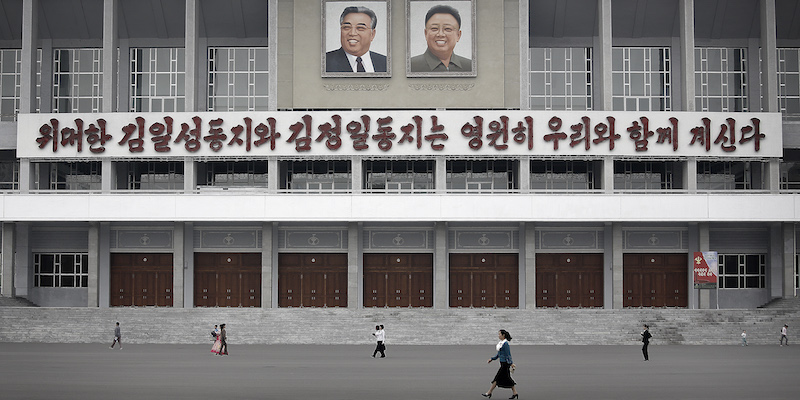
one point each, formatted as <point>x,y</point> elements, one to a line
<point>790,303</point>
<point>403,325</point>
<point>15,302</point>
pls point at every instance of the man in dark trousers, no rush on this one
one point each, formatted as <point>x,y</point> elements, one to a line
<point>380,337</point>
<point>646,340</point>
<point>117,337</point>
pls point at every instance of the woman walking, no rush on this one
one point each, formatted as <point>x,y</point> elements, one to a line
<point>217,341</point>
<point>223,340</point>
<point>503,376</point>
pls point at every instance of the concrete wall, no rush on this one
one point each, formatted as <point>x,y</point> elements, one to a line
<point>59,297</point>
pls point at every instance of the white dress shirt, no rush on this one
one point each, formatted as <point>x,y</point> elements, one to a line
<point>365,59</point>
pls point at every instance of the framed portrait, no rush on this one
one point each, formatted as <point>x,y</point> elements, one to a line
<point>355,39</point>
<point>440,38</point>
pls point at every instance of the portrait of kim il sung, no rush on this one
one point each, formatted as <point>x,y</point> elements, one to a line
<point>441,38</point>
<point>355,38</point>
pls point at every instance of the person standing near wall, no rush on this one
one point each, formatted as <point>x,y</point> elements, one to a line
<point>646,341</point>
<point>503,376</point>
<point>744,338</point>
<point>117,337</point>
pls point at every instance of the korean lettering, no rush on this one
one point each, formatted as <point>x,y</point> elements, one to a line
<point>702,134</point>
<point>266,133</point>
<point>359,137</point>
<point>756,136</point>
<point>602,129</point>
<point>97,134</point>
<point>581,133</point>
<point>237,131</point>
<point>524,133</point>
<point>728,143</point>
<point>555,125</point>
<point>332,134</point>
<point>190,135</point>
<point>416,126</point>
<point>47,134</point>
<point>215,135</point>
<point>474,132</point>
<point>162,135</point>
<point>499,130</point>
<point>301,143</point>
<point>669,134</point>
<point>69,135</point>
<point>641,133</point>
<point>135,145</point>
<point>385,134</point>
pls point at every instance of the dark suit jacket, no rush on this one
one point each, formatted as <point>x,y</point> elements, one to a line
<point>336,61</point>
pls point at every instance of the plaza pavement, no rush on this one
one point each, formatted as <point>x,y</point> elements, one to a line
<point>93,371</point>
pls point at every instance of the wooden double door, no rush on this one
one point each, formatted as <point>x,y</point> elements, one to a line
<point>312,280</point>
<point>398,280</point>
<point>141,279</point>
<point>484,280</point>
<point>569,280</point>
<point>227,279</point>
<point>655,280</point>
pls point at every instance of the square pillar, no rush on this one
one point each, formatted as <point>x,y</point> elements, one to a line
<point>94,265</point>
<point>440,267</point>
<point>354,279</point>
<point>529,260</point>
<point>267,234</point>
<point>789,252</point>
<point>9,260</point>
<point>686,32</point>
<point>179,234</point>
<point>110,44</point>
<point>617,265</point>
<point>603,88</point>
<point>30,44</point>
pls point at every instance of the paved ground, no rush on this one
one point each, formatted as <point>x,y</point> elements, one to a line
<point>93,371</point>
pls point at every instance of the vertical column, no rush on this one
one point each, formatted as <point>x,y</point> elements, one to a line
<point>602,50</point>
<point>273,175</point>
<point>525,174</point>
<point>524,55</point>
<point>108,176</point>
<point>775,260</point>
<point>188,265</point>
<point>94,264</point>
<point>440,180</point>
<point>356,174</point>
<point>608,174</point>
<point>704,236</point>
<point>276,266</point>
<point>9,261</point>
<point>189,175</point>
<point>617,264</point>
<point>110,44</point>
<point>272,36</point>
<point>104,266</point>
<point>192,49</point>
<point>608,266</point>
<point>354,297</point>
<point>690,175</point>
<point>266,265</point>
<point>789,251</point>
<point>686,23</point>
<point>774,175</point>
<point>530,265</point>
<point>440,268</point>
<point>769,54</point>
<point>25,176</point>
<point>178,240</point>
<point>30,43</point>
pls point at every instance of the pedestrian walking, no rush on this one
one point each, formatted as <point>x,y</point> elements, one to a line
<point>783,335</point>
<point>223,340</point>
<point>214,333</point>
<point>217,340</point>
<point>503,377</point>
<point>646,342</point>
<point>117,337</point>
<point>744,338</point>
<point>380,337</point>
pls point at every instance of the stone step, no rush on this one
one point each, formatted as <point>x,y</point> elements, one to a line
<point>403,326</point>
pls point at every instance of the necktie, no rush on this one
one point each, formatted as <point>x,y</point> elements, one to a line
<point>359,65</point>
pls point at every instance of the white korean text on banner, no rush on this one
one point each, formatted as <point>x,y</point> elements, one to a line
<point>706,269</point>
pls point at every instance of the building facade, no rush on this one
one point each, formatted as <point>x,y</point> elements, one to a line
<point>204,153</point>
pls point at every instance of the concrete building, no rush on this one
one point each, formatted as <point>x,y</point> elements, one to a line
<point>206,153</point>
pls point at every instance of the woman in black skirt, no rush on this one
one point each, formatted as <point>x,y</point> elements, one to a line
<point>503,376</point>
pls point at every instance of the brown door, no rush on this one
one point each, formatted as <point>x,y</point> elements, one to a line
<point>227,279</point>
<point>312,280</point>
<point>141,279</point>
<point>569,280</point>
<point>484,280</point>
<point>655,280</point>
<point>398,280</point>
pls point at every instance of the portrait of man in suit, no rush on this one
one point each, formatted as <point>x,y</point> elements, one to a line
<point>357,30</point>
<point>443,39</point>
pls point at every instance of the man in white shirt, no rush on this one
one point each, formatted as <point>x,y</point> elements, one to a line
<point>380,337</point>
<point>783,335</point>
<point>357,28</point>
